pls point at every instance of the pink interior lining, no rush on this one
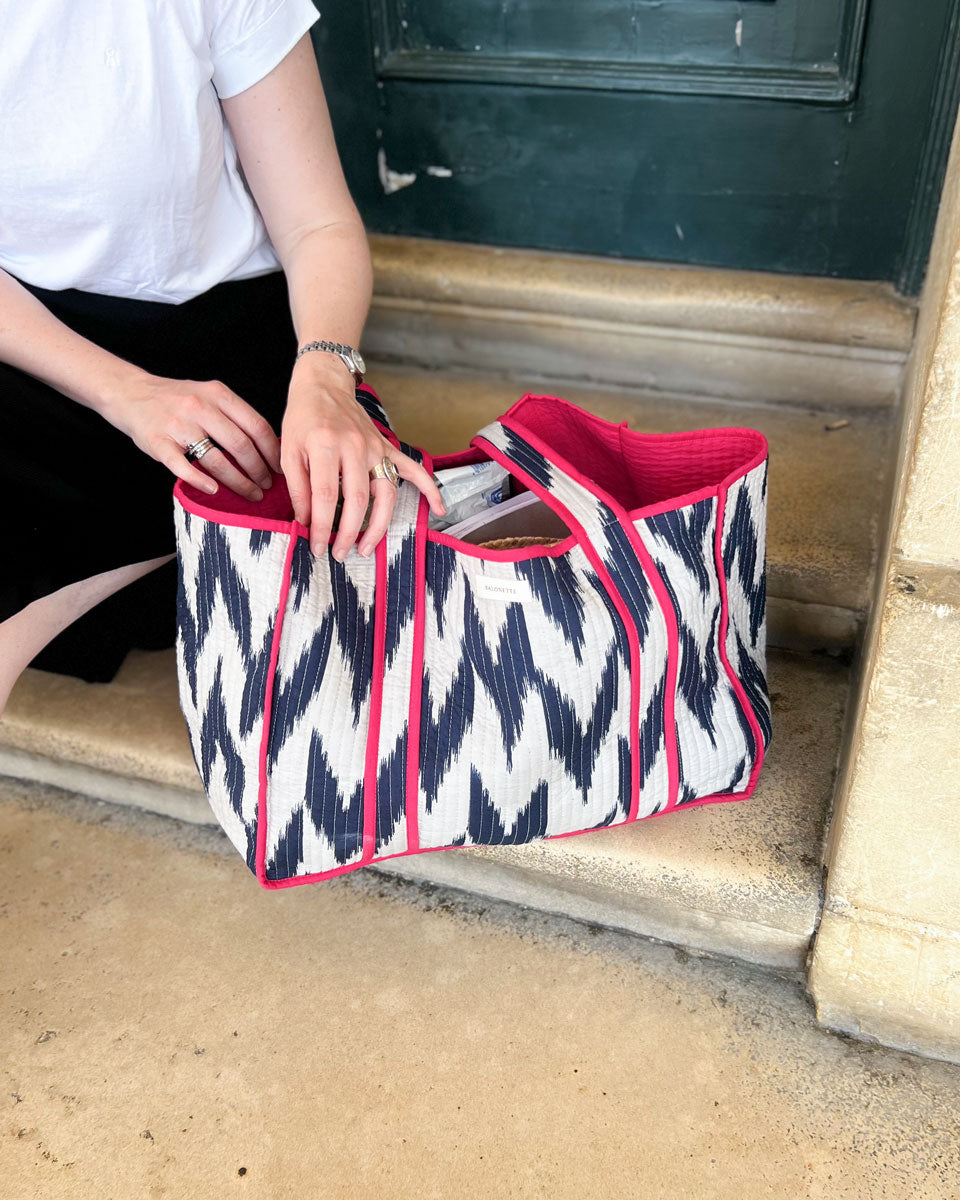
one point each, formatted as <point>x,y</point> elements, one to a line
<point>639,470</point>
<point>643,472</point>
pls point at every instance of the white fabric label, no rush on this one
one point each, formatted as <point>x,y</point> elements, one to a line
<point>490,588</point>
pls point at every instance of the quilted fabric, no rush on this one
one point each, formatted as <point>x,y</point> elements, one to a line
<point>437,695</point>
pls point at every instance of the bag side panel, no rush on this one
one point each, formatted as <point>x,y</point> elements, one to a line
<point>229,581</point>
<point>743,550</point>
<point>715,749</point>
<point>525,711</point>
<point>656,724</point>
<point>321,711</point>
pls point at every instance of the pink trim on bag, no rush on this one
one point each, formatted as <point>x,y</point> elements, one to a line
<point>321,876</point>
<point>735,683</point>
<point>516,554</point>
<point>673,466</point>
<point>663,600</point>
<point>235,520</point>
<point>261,851</point>
<point>376,704</point>
<point>229,508</point>
<point>412,782</point>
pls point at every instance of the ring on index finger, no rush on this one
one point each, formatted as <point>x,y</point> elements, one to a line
<point>386,468</point>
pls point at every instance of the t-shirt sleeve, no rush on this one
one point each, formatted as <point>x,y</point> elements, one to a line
<point>249,37</point>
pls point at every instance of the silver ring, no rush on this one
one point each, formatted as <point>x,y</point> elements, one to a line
<point>386,468</point>
<point>196,450</point>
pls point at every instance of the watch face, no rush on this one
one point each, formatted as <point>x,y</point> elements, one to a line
<point>358,361</point>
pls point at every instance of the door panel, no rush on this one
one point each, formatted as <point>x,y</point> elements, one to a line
<point>808,48</point>
<point>644,130</point>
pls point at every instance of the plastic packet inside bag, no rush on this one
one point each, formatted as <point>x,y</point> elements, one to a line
<point>469,489</point>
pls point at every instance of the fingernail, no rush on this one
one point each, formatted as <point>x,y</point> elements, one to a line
<point>211,488</point>
<point>317,549</point>
<point>267,484</point>
<point>364,550</point>
<point>257,494</point>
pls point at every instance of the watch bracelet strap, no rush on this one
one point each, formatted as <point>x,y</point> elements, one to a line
<point>347,355</point>
<point>333,347</point>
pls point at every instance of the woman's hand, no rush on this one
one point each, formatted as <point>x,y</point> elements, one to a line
<point>164,416</point>
<point>328,437</point>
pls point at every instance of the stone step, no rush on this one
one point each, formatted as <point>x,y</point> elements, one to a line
<point>828,485</point>
<point>739,879</point>
<point>743,335</point>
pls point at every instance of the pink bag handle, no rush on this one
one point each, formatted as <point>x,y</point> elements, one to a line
<point>558,483</point>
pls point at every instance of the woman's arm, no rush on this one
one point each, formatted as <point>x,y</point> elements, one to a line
<point>285,141</point>
<point>162,416</point>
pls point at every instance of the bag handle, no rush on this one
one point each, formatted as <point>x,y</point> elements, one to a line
<point>623,565</point>
<point>557,482</point>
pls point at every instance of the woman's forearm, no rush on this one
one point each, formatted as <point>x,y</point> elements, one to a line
<point>34,341</point>
<point>330,279</point>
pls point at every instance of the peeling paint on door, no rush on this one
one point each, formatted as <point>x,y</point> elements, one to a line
<point>392,181</point>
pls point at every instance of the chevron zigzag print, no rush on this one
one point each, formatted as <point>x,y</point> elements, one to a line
<point>439,694</point>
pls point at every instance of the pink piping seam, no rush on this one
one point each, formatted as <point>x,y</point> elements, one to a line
<point>376,703</point>
<point>738,688</point>
<point>322,876</point>
<point>261,852</point>
<point>412,783</point>
<point>663,600</point>
<point>375,719</point>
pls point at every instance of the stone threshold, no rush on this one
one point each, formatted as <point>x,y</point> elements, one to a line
<point>743,335</point>
<point>740,879</point>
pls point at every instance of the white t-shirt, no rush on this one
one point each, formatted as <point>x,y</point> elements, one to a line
<point>117,174</point>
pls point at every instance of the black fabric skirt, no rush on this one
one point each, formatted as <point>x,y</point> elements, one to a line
<point>81,498</point>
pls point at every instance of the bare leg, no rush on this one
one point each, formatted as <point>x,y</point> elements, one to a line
<point>25,634</point>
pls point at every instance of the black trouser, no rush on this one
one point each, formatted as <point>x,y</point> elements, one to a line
<point>82,499</point>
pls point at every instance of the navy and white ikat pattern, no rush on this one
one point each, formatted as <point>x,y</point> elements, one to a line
<point>522,701</point>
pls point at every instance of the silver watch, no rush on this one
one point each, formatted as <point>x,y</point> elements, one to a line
<point>352,359</point>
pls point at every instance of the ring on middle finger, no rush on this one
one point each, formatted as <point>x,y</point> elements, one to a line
<point>196,450</point>
<point>386,468</point>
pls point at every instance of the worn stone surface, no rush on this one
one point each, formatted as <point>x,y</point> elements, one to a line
<point>701,331</point>
<point>879,976</point>
<point>899,852</point>
<point>828,486</point>
<point>836,311</point>
<point>887,958</point>
<point>130,728</point>
<point>172,1031</point>
<point>928,525</point>
<point>740,878</point>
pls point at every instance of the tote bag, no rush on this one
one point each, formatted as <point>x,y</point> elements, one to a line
<point>439,694</point>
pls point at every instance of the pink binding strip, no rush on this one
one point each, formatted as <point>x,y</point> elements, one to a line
<point>376,704</point>
<point>663,600</point>
<point>261,852</point>
<point>518,554</point>
<point>412,784</point>
<point>738,688</point>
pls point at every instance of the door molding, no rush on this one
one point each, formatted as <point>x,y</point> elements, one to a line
<point>828,79</point>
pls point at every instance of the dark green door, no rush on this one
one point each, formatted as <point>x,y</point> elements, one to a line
<point>790,135</point>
